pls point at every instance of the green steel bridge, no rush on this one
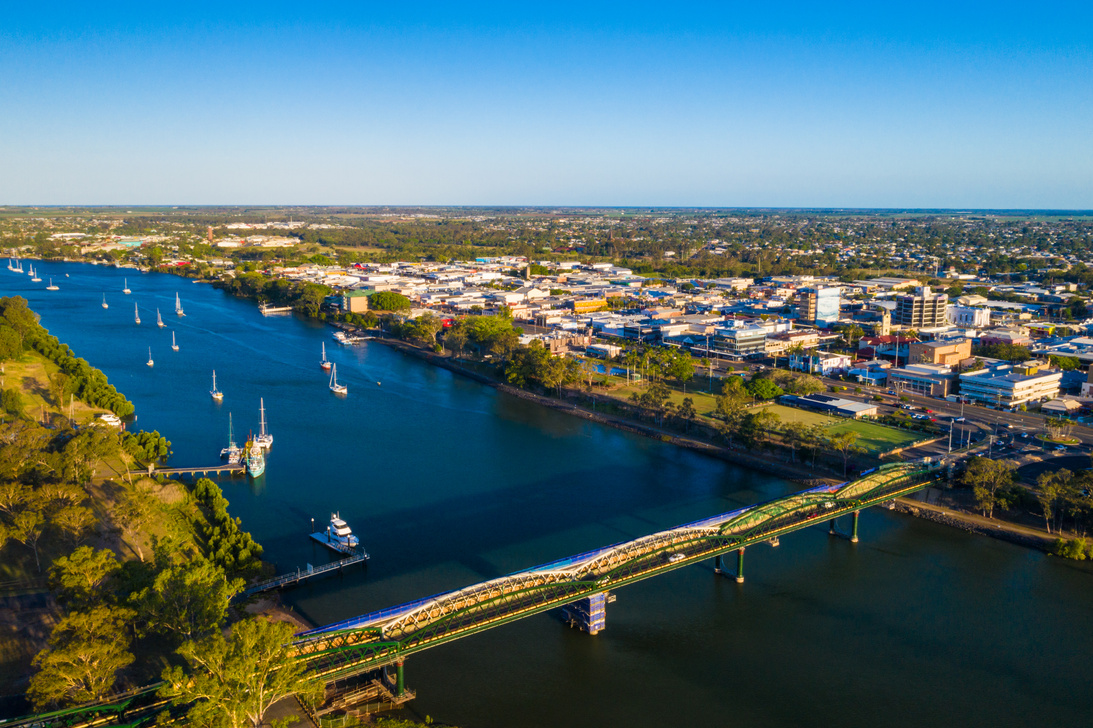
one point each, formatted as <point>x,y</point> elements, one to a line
<point>387,637</point>
<point>579,583</point>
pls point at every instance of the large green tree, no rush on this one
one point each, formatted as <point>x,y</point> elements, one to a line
<point>231,683</point>
<point>988,480</point>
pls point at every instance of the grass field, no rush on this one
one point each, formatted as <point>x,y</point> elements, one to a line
<point>792,414</point>
<point>877,439</point>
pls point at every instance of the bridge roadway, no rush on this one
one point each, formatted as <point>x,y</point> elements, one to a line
<point>387,637</point>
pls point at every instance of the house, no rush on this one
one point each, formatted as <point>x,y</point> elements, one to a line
<point>822,363</point>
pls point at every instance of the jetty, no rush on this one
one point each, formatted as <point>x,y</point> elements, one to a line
<point>201,471</point>
<point>295,577</point>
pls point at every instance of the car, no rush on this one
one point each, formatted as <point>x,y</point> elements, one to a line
<point>960,419</point>
<point>1060,448</point>
<point>929,412</point>
<point>675,558</point>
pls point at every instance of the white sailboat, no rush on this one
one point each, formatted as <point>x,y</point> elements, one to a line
<point>52,287</point>
<point>174,346</point>
<point>30,270</point>
<point>159,319</point>
<point>126,290</point>
<point>136,313</point>
<point>214,392</point>
<point>334,386</point>
<point>178,306</point>
<point>34,276</point>
<point>232,452</point>
<point>323,362</point>
<point>263,439</point>
<point>150,362</point>
<point>104,303</point>
<point>18,265</point>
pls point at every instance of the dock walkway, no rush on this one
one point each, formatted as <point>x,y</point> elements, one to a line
<point>295,577</point>
<point>229,470</point>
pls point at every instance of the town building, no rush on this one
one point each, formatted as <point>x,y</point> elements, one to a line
<point>1008,386</point>
<point>949,353</point>
<point>830,405</point>
<point>928,380</point>
<point>969,316</point>
<point>921,310</point>
<point>819,305</point>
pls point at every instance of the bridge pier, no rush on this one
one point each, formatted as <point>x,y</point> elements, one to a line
<point>854,535</point>
<point>719,566</point>
<point>589,614</point>
<point>400,679</point>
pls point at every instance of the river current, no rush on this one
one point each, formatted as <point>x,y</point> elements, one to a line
<point>449,483</point>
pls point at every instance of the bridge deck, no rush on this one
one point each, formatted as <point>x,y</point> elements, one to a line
<point>380,638</point>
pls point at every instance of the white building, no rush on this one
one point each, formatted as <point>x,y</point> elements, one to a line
<point>969,317</point>
<point>1008,386</point>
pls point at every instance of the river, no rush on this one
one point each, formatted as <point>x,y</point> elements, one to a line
<point>449,482</point>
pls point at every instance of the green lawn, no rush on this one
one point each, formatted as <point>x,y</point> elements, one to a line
<point>805,417</point>
<point>877,439</point>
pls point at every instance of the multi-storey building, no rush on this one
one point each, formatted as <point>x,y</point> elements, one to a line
<point>1007,386</point>
<point>921,310</point>
<point>819,305</point>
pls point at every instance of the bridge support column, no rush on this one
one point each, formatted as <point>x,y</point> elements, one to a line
<point>718,564</point>
<point>740,566</point>
<point>400,679</point>
<point>831,527</point>
<point>854,533</point>
<point>589,614</point>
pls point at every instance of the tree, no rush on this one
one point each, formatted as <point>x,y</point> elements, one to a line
<point>132,513</point>
<point>794,434</point>
<point>233,682</point>
<point>763,423</point>
<point>188,598</point>
<point>59,384</point>
<point>687,412</point>
<point>28,525</point>
<point>389,301</point>
<point>1053,490</point>
<point>846,444</point>
<point>731,412</point>
<point>455,339</point>
<point>762,388</point>
<point>78,577</point>
<point>86,651</point>
<point>987,478</point>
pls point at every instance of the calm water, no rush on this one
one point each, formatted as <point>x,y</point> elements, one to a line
<point>450,483</point>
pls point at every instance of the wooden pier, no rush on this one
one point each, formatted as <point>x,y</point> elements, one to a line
<point>295,577</point>
<point>216,470</point>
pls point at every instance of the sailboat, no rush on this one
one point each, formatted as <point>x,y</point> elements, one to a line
<point>178,306</point>
<point>324,363</point>
<point>214,392</point>
<point>34,276</point>
<point>174,346</point>
<point>150,362</point>
<point>52,287</point>
<point>263,439</point>
<point>104,303</point>
<point>232,452</point>
<point>334,386</point>
<point>136,313</point>
<point>126,290</point>
<point>159,319</point>
<point>30,271</point>
<point>18,265</point>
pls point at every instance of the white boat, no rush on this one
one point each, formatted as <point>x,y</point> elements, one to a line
<point>174,346</point>
<point>34,276</point>
<point>334,386</point>
<point>126,290</point>
<point>339,532</point>
<point>104,303</point>
<point>323,362</point>
<point>109,418</point>
<point>136,313</point>
<point>159,319</point>
<point>214,392</point>
<point>232,452</point>
<point>52,287</point>
<point>178,306</point>
<point>18,266</point>
<point>263,439</point>
<point>150,362</point>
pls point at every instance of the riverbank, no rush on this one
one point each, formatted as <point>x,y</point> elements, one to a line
<point>755,461</point>
<point>961,519</point>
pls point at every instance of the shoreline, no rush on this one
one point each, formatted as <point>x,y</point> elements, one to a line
<point>1019,535</point>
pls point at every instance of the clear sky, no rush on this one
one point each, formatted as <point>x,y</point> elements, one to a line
<point>818,104</point>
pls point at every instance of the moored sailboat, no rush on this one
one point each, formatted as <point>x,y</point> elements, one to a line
<point>126,290</point>
<point>232,452</point>
<point>214,392</point>
<point>323,362</point>
<point>150,362</point>
<point>104,303</point>
<point>178,306</point>
<point>159,319</point>
<point>136,313</point>
<point>174,346</point>
<point>263,438</point>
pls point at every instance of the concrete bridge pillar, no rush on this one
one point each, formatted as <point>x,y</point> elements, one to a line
<point>400,679</point>
<point>854,533</point>
<point>719,566</point>
<point>589,614</point>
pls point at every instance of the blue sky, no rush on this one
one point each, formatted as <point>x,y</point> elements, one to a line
<point>726,104</point>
